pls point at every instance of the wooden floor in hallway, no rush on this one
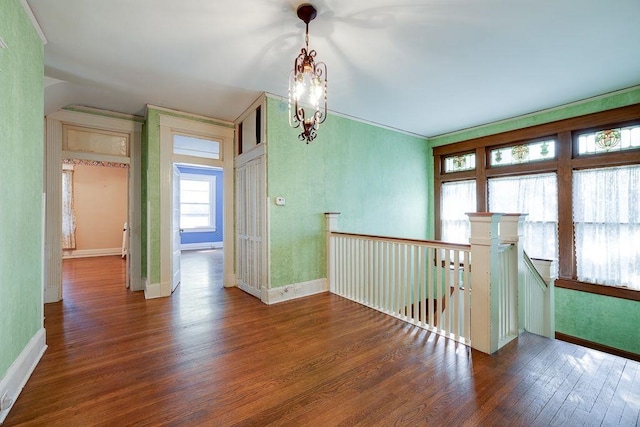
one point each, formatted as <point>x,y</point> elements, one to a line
<point>210,356</point>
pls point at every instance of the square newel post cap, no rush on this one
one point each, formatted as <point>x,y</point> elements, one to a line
<point>331,221</point>
<point>485,227</point>
<point>511,227</point>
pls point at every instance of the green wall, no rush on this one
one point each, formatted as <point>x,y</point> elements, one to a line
<point>21,172</point>
<point>606,320</point>
<point>150,224</point>
<point>601,319</point>
<point>376,178</point>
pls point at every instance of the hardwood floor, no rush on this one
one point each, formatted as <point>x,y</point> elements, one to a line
<point>215,357</point>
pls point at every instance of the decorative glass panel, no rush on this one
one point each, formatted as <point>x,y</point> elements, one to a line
<point>609,140</point>
<point>524,153</point>
<point>94,142</point>
<point>462,162</point>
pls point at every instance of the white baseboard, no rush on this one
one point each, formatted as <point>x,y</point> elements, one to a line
<point>251,291</point>
<point>293,291</point>
<point>196,246</point>
<point>20,370</point>
<point>152,290</point>
<point>230,281</point>
<point>86,253</point>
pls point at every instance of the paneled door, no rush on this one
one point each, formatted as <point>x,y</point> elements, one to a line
<point>250,223</point>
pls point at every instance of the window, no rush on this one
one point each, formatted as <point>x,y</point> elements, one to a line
<point>588,173</point>
<point>606,214</point>
<point>537,196</point>
<point>609,140</point>
<point>68,212</point>
<point>524,153</point>
<point>457,198</point>
<point>197,202</point>
<point>197,147</point>
<point>460,162</point>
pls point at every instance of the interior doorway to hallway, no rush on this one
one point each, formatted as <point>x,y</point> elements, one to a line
<point>198,224</point>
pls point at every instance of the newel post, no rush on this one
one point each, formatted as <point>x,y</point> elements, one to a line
<point>511,232</point>
<point>484,242</point>
<point>331,225</point>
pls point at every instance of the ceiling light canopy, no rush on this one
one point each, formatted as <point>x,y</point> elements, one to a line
<point>307,85</point>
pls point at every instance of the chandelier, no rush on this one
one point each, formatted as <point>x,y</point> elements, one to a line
<point>307,85</point>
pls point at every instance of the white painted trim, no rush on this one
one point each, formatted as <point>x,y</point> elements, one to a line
<point>34,21</point>
<point>210,130</point>
<point>191,116</point>
<point>199,246</point>
<point>294,291</point>
<point>87,253</point>
<point>21,369</point>
<point>93,120</point>
<point>95,157</point>
<point>53,184</point>
<point>153,290</point>
<point>250,155</point>
<point>251,291</point>
<point>101,113</point>
<point>230,280</point>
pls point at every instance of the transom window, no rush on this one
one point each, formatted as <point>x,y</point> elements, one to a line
<point>197,147</point>
<point>523,153</point>
<point>609,140</point>
<point>461,162</point>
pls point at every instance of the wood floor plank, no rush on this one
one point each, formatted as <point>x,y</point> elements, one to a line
<point>215,356</point>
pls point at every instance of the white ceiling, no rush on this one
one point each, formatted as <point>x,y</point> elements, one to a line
<point>423,66</point>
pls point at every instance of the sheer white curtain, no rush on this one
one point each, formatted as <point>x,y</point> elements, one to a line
<point>456,199</point>
<point>606,215</point>
<point>68,214</point>
<point>537,196</point>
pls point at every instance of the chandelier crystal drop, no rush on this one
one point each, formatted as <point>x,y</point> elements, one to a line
<point>307,85</point>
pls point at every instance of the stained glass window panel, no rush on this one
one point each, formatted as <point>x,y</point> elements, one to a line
<point>524,153</point>
<point>459,163</point>
<point>609,140</point>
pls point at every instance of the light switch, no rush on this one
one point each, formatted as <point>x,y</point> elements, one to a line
<point>280,201</point>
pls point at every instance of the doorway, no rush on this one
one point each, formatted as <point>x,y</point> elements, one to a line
<point>97,138</point>
<point>205,146</point>
<point>199,210</point>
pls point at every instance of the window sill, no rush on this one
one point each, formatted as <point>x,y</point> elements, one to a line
<point>610,291</point>
<point>198,230</point>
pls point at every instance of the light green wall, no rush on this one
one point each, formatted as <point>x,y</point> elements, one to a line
<point>597,318</point>
<point>376,178</point>
<point>151,197</point>
<point>605,320</point>
<point>21,172</point>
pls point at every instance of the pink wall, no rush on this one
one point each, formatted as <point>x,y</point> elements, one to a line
<point>100,201</point>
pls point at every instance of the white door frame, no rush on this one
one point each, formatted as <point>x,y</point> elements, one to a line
<point>169,126</point>
<point>99,120</point>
